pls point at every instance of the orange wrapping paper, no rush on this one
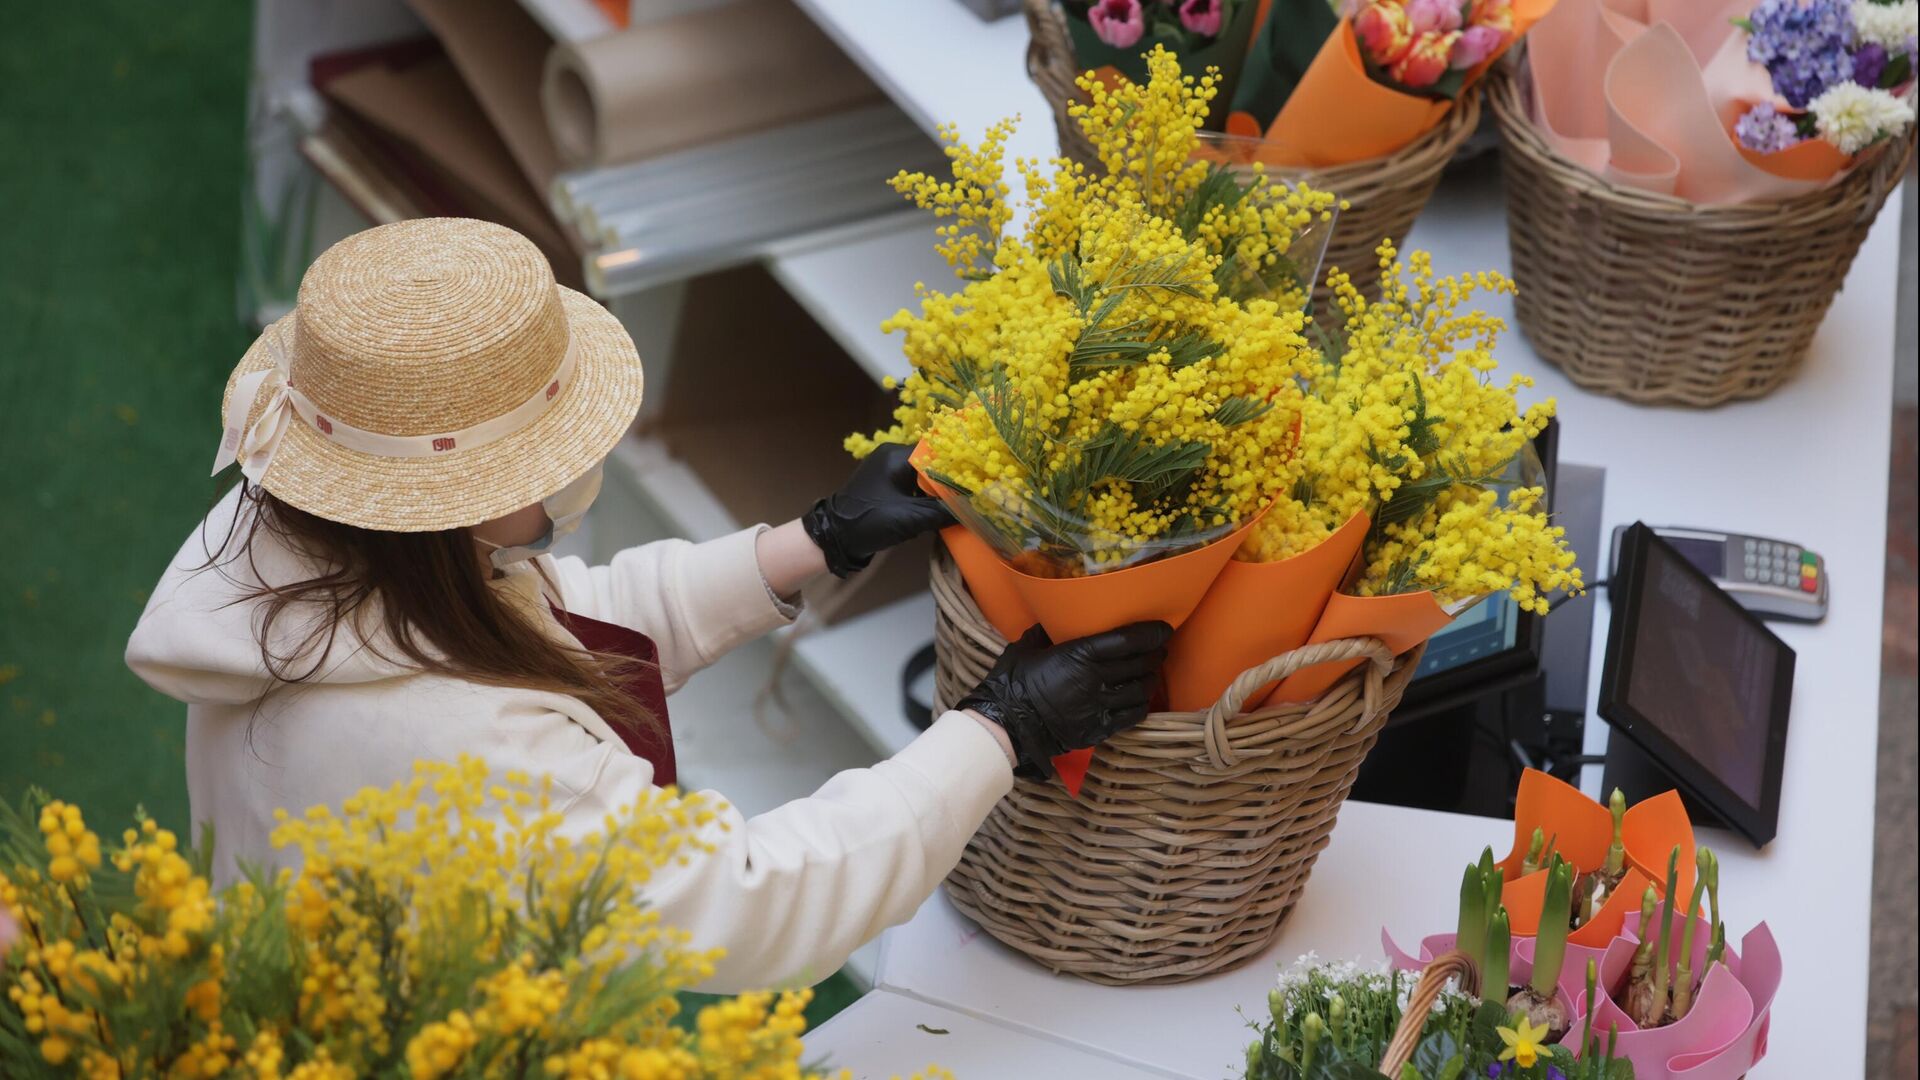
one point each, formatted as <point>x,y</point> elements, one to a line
<point>990,582</point>
<point>1581,830</point>
<point>1254,612</point>
<point>1339,114</point>
<point>1401,621</point>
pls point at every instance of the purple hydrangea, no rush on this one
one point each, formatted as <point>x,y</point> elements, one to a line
<point>1868,63</point>
<point>1803,45</point>
<point>1765,129</point>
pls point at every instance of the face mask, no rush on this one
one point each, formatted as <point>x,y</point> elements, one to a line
<point>564,510</point>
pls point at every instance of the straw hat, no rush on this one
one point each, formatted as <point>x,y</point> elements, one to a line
<point>431,376</point>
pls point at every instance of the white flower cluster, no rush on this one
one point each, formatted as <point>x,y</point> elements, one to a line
<point>1888,25</point>
<point>1852,117</point>
<point>1376,977</point>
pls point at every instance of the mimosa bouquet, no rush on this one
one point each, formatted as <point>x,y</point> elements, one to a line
<point>439,928</point>
<point>1602,927</point>
<point>1125,412</point>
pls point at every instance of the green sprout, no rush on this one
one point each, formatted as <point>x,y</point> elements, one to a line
<point>1532,862</point>
<point>1587,1046</point>
<point>1683,981</point>
<point>1539,1001</point>
<point>1312,1029</point>
<point>1617,851</point>
<point>1471,937</point>
<point>1493,981</point>
<point>1662,975</point>
<point>1709,865</point>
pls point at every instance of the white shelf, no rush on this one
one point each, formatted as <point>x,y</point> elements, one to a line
<point>853,278</point>
<point>568,20</point>
<point>855,665</point>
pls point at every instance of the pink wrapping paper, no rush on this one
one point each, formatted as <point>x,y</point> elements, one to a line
<point>1646,93</point>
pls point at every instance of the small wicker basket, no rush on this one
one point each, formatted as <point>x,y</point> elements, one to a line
<point>1383,195</point>
<point>1457,966</point>
<point>1194,832</point>
<point>1656,299</point>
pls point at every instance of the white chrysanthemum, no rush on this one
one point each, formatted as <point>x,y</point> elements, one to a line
<point>1889,25</point>
<point>1851,116</point>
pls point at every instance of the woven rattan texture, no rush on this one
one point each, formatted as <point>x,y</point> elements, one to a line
<point>1194,832</point>
<point>1383,195</point>
<point>1659,300</point>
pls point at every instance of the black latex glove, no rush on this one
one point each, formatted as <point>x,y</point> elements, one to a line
<point>1055,698</point>
<point>879,506</point>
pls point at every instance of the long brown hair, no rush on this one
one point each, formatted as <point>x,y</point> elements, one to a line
<point>428,592</point>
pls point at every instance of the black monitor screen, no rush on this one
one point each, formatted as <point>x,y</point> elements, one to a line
<point>1699,682</point>
<point>1703,674</point>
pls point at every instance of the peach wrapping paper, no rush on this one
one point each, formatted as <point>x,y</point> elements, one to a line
<point>1645,93</point>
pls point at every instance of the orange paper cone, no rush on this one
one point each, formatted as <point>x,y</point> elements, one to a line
<point>1339,115</point>
<point>1253,613</point>
<point>990,581</point>
<point>1524,897</point>
<point>1581,830</point>
<point>1651,830</point>
<point>1401,621</point>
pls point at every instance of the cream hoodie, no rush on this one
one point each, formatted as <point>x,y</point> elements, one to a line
<point>789,894</point>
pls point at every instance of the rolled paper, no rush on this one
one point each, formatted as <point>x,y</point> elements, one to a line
<point>696,78</point>
<point>1652,829</point>
<point>1254,612</point>
<point>1401,621</point>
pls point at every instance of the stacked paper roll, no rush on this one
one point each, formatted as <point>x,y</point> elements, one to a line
<point>676,83</point>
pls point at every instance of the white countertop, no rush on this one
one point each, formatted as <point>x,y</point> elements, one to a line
<point>1807,464</point>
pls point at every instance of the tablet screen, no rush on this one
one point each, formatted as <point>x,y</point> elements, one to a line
<point>1703,674</point>
<point>1700,683</point>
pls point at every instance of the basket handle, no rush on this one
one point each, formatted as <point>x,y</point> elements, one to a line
<point>1047,44</point>
<point>1454,965</point>
<point>1220,751</point>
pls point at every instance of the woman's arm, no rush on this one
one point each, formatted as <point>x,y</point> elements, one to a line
<point>788,559</point>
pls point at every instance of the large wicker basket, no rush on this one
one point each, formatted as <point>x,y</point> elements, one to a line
<point>1383,195</point>
<point>1194,832</point>
<point>1659,300</point>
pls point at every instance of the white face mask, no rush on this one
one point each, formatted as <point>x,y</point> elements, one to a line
<point>564,510</point>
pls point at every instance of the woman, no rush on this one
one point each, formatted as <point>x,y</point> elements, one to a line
<point>377,591</point>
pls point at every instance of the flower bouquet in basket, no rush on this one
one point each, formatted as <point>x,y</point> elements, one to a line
<point>1342,1021</point>
<point>1602,926</point>
<point>1722,159</point>
<point>1114,36</point>
<point>1124,411</point>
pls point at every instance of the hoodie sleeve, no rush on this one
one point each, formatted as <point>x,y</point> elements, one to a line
<point>696,601</point>
<point>791,893</point>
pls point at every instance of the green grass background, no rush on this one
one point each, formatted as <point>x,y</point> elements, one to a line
<point>122,135</point>
<point>122,163</point>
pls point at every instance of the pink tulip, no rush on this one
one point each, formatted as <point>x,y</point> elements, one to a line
<point>1201,17</point>
<point>1119,23</point>
<point>1475,44</point>
<point>1425,62</point>
<point>1433,16</point>
<point>1384,32</point>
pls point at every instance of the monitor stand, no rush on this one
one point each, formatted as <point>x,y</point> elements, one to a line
<point>1639,776</point>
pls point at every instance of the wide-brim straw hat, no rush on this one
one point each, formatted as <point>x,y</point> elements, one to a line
<point>435,377</point>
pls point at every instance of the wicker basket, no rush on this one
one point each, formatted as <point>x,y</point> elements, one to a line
<point>1659,300</point>
<point>1194,832</point>
<point>1383,195</point>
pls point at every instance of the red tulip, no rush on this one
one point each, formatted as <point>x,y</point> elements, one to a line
<point>1423,64</point>
<point>1384,32</point>
<point>1119,23</point>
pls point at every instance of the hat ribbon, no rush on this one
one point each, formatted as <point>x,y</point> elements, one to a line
<point>255,446</point>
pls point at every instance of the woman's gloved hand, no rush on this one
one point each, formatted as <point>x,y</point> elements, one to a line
<point>1055,698</point>
<point>879,506</point>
